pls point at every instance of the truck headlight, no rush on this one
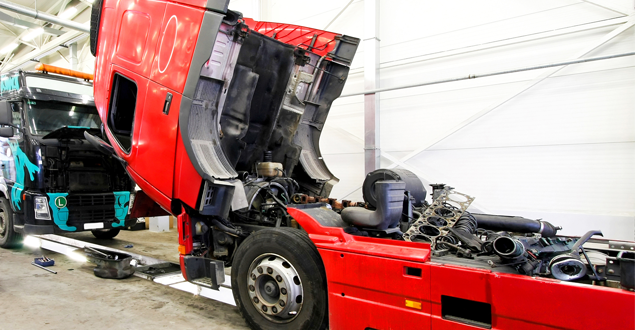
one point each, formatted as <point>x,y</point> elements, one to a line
<point>131,202</point>
<point>42,208</point>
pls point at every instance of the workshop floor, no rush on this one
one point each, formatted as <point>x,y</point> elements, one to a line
<point>31,298</point>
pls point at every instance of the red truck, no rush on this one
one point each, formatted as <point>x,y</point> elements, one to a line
<point>217,118</point>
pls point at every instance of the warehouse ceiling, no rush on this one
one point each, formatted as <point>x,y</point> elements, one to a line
<point>23,39</point>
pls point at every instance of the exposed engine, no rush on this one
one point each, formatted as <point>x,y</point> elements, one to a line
<point>395,208</point>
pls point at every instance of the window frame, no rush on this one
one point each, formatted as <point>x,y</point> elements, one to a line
<point>112,100</point>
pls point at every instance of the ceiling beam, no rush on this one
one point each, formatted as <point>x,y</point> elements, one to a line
<point>46,49</point>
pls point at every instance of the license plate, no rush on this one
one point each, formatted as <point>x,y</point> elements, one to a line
<point>98,225</point>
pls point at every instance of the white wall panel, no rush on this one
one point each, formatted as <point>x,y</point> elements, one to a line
<point>564,150</point>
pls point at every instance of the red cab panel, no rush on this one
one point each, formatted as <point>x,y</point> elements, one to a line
<point>157,137</point>
<point>141,19</point>
<point>179,33</point>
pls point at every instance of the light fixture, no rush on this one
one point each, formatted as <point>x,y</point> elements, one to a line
<point>41,207</point>
<point>8,48</point>
<point>68,13</point>
<point>31,35</point>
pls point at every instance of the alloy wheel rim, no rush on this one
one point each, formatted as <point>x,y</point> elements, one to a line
<point>274,288</point>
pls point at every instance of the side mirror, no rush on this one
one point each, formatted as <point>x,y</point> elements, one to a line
<point>5,114</point>
<point>6,131</point>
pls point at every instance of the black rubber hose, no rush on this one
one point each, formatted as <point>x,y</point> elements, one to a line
<point>225,228</point>
<point>467,223</point>
<point>515,224</point>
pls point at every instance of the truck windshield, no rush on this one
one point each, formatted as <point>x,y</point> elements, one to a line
<point>45,117</point>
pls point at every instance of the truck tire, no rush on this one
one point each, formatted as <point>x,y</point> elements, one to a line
<point>9,238</point>
<point>278,281</point>
<point>105,233</point>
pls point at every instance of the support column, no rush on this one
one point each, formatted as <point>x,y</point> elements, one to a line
<point>372,151</point>
<point>72,49</point>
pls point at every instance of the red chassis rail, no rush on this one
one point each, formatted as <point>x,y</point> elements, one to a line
<point>370,286</point>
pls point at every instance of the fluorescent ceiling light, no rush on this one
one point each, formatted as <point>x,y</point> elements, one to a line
<point>31,35</point>
<point>68,12</point>
<point>8,48</point>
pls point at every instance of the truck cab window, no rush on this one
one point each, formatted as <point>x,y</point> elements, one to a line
<point>122,109</point>
<point>17,117</point>
<point>45,117</point>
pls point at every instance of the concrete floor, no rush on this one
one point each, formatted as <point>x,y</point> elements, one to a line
<point>31,298</point>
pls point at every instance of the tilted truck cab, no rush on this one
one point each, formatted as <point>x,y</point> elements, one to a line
<point>53,179</point>
<point>218,117</point>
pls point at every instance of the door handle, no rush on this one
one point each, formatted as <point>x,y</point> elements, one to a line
<point>167,104</point>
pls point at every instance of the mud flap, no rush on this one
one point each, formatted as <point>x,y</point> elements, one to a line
<point>205,272</point>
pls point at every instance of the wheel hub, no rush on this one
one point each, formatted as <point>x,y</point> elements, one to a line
<point>274,288</point>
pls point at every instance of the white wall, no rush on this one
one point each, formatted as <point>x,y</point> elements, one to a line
<point>563,150</point>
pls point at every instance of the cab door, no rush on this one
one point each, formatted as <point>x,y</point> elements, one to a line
<point>158,129</point>
<point>149,67</point>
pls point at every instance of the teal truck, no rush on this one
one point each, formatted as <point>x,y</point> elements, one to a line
<point>53,180</point>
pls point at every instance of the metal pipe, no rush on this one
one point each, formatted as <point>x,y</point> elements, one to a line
<point>46,269</point>
<point>379,90</point>
<point>43,16</point>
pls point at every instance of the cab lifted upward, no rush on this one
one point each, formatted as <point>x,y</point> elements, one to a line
<point>218,118</point>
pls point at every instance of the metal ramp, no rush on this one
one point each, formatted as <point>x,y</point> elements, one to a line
<point>156,270</point>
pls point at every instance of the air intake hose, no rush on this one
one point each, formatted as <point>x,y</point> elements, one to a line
<point>515,224</point>
<point>389,195</point>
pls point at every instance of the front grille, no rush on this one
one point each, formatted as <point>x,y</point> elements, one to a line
<point>84,208</point>
<point>91,200</point>
<point>88,181</point>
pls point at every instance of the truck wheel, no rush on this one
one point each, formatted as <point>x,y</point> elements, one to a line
<point>278,281</point>
<point>105,233</point>
<point>8,237</point>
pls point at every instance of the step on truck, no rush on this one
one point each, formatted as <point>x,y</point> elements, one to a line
<point>218,117</point>
<point>53,180</point>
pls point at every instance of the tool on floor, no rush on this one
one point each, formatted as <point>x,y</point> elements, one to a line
<point>46,269</point>
<point>105,255</point>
